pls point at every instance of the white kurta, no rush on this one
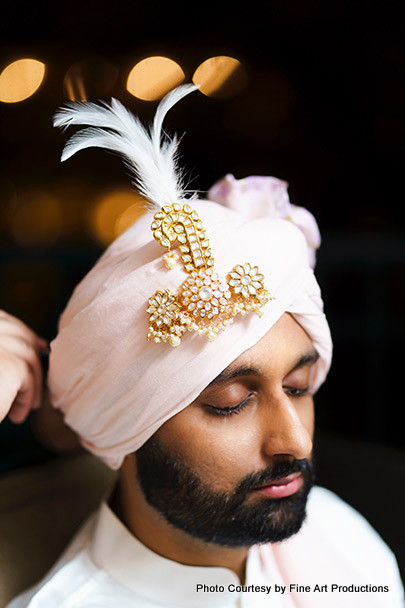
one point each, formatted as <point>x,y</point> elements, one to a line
<point>107,567</point>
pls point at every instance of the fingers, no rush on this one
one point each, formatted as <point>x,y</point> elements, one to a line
<point>12,372</point>
<point>21,375</point>
<point>19,412</point>
<point>8,391</point>
<point>30,369</point>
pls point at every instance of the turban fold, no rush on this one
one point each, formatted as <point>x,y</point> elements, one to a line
<point>114,387</point>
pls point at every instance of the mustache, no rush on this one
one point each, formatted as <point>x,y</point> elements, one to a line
<point>272,473</point>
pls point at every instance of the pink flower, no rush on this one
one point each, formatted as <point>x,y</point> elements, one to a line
<point>258,196</point>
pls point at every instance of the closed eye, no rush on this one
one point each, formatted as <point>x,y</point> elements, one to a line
<point>229,411</point>
<point>296,392</point>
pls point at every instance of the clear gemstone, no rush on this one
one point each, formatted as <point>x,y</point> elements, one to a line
<point>246,280</point>
<point>205,293</point>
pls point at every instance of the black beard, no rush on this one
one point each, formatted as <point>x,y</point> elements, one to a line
<point>224,518</point>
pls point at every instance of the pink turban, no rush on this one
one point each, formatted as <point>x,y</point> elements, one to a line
<point>114,387</point>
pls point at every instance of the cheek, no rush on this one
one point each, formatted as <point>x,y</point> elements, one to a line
<point>306,412</point>
<point>220,452</point>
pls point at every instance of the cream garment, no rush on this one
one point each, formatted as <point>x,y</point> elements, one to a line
<point>107,567</point>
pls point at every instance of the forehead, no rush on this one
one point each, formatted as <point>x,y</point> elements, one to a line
<point>282,347</point>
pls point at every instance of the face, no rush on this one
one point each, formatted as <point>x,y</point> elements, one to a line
<point>234,467</point>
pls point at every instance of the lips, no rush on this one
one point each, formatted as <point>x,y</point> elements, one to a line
<point>282,487</point>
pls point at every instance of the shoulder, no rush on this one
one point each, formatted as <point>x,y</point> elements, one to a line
<point>344,542</point>
<point>327,512</point>
<point>342,527</point>
<point>69,579</point>
<point>337,548</point>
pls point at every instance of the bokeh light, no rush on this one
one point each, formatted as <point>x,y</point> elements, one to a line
<point>20,79</point>
<point>128,217</point>
<point>220,76</point>
<point>113,213</point>
<point>153,77</point>
<point>36,220</point>
<point>91,78</point>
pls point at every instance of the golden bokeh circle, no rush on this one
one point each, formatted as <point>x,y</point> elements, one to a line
<point>37,220</point>
<point>20,79</point>
<point>220,76</point>
<point>110,214</point>
<point>153,77</point>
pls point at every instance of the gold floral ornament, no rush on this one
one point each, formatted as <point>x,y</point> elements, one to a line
<point>206,302</point>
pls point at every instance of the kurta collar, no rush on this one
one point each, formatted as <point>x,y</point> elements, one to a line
<point>129,562</point>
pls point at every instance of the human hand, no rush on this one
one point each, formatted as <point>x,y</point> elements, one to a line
<point>21,375</point>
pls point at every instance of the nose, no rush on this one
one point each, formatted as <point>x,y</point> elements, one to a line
<point>285,433</point>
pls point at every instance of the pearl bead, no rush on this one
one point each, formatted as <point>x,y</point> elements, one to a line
<point>174,340</point>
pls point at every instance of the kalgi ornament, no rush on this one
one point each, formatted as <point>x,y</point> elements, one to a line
<point>206,303</point>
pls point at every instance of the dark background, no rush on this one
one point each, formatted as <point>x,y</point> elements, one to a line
<point>322,109</point>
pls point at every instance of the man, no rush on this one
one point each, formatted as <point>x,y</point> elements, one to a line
<point>196,379</point>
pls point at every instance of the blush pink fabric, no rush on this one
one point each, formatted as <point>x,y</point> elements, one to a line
<point>115,388</point>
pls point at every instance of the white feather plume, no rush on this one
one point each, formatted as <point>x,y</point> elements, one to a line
<point>150,156</point>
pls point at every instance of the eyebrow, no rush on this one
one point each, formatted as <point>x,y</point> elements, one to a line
<point>308,358</point>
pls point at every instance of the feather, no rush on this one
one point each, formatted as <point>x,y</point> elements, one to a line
<point>150,156</point>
